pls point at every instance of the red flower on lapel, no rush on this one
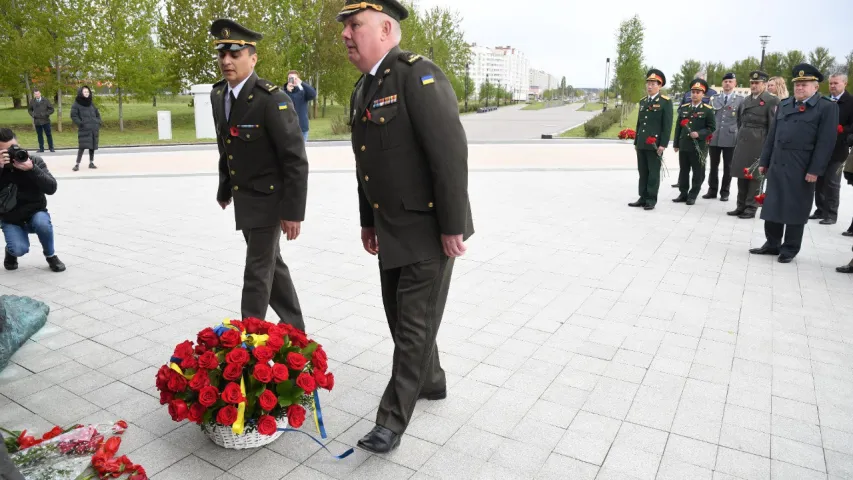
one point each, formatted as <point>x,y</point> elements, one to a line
<point>761,103</point>
<point>802,108</point>
<point>840,129</point>
<point>234,132</point>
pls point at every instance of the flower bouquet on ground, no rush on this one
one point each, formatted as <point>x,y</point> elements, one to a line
<point>64,454</point>
<point>244,381</point>
<point>627,134</point>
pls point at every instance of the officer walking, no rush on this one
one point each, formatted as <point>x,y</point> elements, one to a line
<point>796,152</point>
<point>725,106</point>
<point>412,165</point>
<point>755,116</point>
<point>654,124</point>
<point>262,167</point>
<point>695,122</point>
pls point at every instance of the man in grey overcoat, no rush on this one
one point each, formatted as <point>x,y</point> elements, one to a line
<point>755,115</point>
<point>795,154</point>
<point>725,105</point>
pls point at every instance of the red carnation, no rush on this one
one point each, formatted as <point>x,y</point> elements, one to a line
<point>208,396</point>
<point>761,103</point>
<point>296,361</point>
<point>184,350</point>
<point>279,373</point>
<point>709,137</point>
<point>684,122</point>
<point>840,129</point>
<point>746,171</point>
<point>295,415</point>
<point>200,380</point>
<point>267,425</point>
<point>239,356</point>
<point>651,140</point>
<point>233,371</point>
<point>208,361</point>
<point>53,432</point>
<point>234,132</point>
<point>232,394</point>
<point>230,338</point>
<point>305,381</point>
<point>267,400</point>
<point>748,176</point>
<point>196,412</point>
<point>275,342</point>
<point>227,415</point>
<point>760,198</point>
<point>208,338</point>
<point>263,372</point>
<point>178,410</point>
<point>263,354</point>
<point>802,108</point>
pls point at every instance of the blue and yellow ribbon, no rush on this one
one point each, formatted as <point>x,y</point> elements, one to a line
<point>238,425</point>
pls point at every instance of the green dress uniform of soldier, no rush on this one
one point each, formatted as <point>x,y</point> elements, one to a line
<point>699,119</point>
<point>411,156</point>
<point>800,142</point>
<point>755,116</point>
<point>654,120</point>
<point>264,169</point>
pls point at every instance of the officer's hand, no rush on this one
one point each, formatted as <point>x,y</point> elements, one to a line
<point>676,149</point>
<point>4,158</point>
<point>291,229</point>
<point>811,178</point>
<point>24,166</point>
<point>662,149</point>
<point>225,204</point>
<point>453,245</point>
<point>762,170</point>
<point>694,134</point>
<point>369,240</point>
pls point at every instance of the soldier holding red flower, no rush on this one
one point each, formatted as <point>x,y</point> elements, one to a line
<point>696,123</point>
<point>654,124</point>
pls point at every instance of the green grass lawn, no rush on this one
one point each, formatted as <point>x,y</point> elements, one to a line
<point>534,106</point>
<point>591,107</point>
<point>612,132</point>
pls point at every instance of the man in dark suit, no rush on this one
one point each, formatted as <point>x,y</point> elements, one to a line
<point>828,189</point>
<point>262,167</point>
<point>411,158</point>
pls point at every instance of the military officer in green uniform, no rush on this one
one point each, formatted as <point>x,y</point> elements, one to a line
<point>695,122</point>
<point>411,157</point>
<point>262,168</point>
<point>654,124</point>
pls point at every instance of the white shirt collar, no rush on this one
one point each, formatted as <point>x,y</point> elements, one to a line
<point>376,67</point>
<point>836,97</point>
<point>239,87</point>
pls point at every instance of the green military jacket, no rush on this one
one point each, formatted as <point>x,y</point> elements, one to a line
<point>411,155</point>
<point>699,119</point>
<point>654,119</point>
<point>262,160</point>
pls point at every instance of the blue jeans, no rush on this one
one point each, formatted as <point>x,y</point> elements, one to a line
<point>46,129</point>
<point>305,135</point>
<point>17,237</point>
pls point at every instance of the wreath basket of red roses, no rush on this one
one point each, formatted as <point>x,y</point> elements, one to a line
<point>244,381</point>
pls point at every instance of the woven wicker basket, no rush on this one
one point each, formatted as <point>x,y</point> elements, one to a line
<point>224,437</point>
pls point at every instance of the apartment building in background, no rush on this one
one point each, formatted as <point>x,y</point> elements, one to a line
<point>540,81</point>
<point>506,67</point>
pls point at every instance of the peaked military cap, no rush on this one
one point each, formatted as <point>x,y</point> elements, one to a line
<point>656,75</point>
<point>699,84</point>
<point>758,76</point>
<point>729,76</point>
<point>805,72</point>
<point>230,35</point>
<point>392,8</point>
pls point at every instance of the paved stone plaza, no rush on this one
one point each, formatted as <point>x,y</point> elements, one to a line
<point>582,339</point>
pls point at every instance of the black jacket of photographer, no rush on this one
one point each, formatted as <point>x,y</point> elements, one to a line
<point>33,186</point>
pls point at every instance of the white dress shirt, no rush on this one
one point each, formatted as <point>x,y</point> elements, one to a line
<point>236,91</point>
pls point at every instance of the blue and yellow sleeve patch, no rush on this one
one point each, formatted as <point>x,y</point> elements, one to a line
<point>427,79</point>
<point>282,106</point>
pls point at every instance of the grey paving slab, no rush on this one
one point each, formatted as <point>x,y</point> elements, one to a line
<point>582,339</point>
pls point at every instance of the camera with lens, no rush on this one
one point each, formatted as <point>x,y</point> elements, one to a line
<point>17,154</point>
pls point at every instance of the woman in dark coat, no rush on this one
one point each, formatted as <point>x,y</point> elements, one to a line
<point>88,120</point>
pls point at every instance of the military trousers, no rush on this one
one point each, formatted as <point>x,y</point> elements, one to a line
<point>793,237</point>
<point>714,182</point>
<point>414,297</point>
<point>746,192</point>
<point>266,279</point>
<point>687,161</point>
<point>648,164</point>
<point>827,195</point>
<point>8,471</point>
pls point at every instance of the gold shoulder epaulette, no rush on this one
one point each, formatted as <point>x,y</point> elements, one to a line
<point>266,85</point>
<point>664,97</point>
<point>409,57</point>
<point>707,106</point>
<point>685,104</point>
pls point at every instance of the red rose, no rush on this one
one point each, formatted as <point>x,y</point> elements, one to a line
<point>684,122</point>
<point>54,432</point>
<point>840,129</point>
<point>298,338</point>
<point>295,415</point>
<point>178,410</point>
<point>651,140</point>
<point>196,412</point>
<point>232,372</point>
<point>200,380</point>
<point>320,378</point>
<point>263,372</point>
<point>296,361</point>
<point>166,397</point>
<point>279,373</point>
<point>267,400</point>
<point>200,349</point>
<point>318,360</point>
<point>263,354</point>
<point>330,382</point>
<point>208,361</point>
<point>256,325</point>
<point>237,324</point>
<point>232,394</point>
<point>189,363</point>
<point>275,342</point>
<point>227,415</point>
<point>239,356</point>
<point>162,378</point>
<point>184,350</point>
<point>208,395</point>
<point>305,381</point>
<point>233,131</point>
<point>267,425</point>
<point>177,382</point>
<point>208,338</point>
<point>230,338</point>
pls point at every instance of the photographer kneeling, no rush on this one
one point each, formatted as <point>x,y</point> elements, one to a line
<point>24,182</point>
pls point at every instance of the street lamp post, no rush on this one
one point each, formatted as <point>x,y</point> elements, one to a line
<point>606,75</point>
<point>487,89</point>
<point>765,39</point>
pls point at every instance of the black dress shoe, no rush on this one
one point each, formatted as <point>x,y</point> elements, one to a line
<point>827,221</point>
<point>638,203</point>
<point>10,262</point>
<point>649,207</point>
<point>691,201</point>
<point>709,195</point>
<point>439,395</point>
<point>785,258</point>
<point>845,269</point>
<point>746,215</point>
<point>764,251</point>
<point>735,213</point>
<point>848,233</point>
<point>679,199</point>
<point>815,215</point>
<point>724,198</point>
<point>379,440</point>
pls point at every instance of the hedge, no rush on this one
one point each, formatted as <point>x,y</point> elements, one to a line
<point>601,122</point>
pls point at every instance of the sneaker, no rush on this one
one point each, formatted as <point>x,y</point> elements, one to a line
<point>10,262</point>
<point>76,167</point>
<point>92,165</point>
<point>55,264</point>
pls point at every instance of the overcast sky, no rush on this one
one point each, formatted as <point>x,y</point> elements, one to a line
<point>574,38</point>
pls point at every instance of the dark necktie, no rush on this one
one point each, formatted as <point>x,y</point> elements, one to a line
<point>725,100</point>
<point>232,101</point>
<point>365,86</point>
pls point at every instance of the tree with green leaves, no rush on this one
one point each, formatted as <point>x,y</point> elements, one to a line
<point>715,72</point>
<point>681,79</point>
<point>741,68</point>
<point>774,64</point>
<point>628,68</point>
<point>821,59</point>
